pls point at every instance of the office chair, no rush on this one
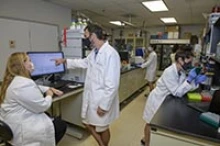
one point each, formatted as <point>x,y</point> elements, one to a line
<point>5,133</point>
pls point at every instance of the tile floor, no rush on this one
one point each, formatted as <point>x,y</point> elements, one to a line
<point>126,131</point>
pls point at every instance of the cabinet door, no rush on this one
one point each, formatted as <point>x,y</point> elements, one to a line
<point>43,37</point>
<point>17,32</point>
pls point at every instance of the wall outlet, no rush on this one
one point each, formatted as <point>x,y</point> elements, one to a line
<point>12,44</point>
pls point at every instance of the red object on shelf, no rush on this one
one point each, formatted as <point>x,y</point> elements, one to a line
<point>206,96</point>
<point>206,99</point>
<point>64,37</point>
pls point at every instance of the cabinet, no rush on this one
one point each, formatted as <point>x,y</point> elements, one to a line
<point>135,42</point>
<point>212,38</point>
<point>164,49</point>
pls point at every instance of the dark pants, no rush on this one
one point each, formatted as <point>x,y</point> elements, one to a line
<point>60,128</point>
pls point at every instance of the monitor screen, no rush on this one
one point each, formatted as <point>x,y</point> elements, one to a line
<point>124,55</point>
<point>44,63</point>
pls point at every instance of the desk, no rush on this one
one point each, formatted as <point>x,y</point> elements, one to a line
<point>67,95</point>
<point>68,106</point>
<point>177,119</point>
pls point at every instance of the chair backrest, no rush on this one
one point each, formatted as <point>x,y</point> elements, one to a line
<point>5,131</point>
<point>215,103</point>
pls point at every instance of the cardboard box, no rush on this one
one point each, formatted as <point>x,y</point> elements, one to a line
<point>176,35</point>
<point>170,35</point>
<point>173,35</point>
<point>187,35</point>
<point>172,28</point>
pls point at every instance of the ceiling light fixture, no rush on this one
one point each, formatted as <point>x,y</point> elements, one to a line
<point>119,23</point>
<point>155,5</point>
<point>168,20</point>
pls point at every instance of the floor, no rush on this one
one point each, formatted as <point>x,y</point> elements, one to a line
<point>126,131</point>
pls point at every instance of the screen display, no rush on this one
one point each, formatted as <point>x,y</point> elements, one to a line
<point>44,63</point>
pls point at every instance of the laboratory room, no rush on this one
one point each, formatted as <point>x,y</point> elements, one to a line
<point>110,73</point>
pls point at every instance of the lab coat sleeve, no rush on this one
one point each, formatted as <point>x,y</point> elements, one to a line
<point>43,88</point>
<point>148,62</point>
<point>32,99</point>
<point>77,63</point>
<point>174,87</point>
<point>111,82</point>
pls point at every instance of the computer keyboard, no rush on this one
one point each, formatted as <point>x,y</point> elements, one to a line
<point>59,84</point>
<point>70,86</point>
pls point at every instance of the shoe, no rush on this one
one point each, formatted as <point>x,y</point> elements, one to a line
<point>142,142</point>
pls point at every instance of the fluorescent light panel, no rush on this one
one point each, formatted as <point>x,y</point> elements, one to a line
<point>155,6</point>
<point>168,20</point>
<point>119,23</point>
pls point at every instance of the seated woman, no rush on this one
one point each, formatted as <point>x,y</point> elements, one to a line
<point>23,106</point>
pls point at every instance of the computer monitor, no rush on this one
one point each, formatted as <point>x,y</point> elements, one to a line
<point>139,52</point>
<point>44,63</point>
<point>124,55</point>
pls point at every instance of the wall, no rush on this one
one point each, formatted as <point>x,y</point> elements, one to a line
<point>36,10</point>
<point>194,29</point>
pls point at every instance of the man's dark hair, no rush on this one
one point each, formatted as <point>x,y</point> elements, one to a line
<point>184,52</point>
<point>94,28</point>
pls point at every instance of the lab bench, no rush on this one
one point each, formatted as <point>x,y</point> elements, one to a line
<point>178,124</point>
<point>131,81</point>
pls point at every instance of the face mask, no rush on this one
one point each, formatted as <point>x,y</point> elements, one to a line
<point>150,49</point>
<point>87,42</point>
<point>32,66</point>
<point>187,66</point>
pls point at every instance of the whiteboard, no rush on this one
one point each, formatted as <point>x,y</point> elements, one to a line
<point>28,36</point>
<point>43,37</point>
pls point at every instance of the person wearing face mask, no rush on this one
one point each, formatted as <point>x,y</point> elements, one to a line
<point>173,81</point>
<point>151,67</point>
<point>86,40</point>
<point>23,106</point>
<point>100,105</point>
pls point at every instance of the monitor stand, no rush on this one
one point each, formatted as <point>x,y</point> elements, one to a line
<point>56,82</point>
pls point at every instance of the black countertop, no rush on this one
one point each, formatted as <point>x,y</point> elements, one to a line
<point>176,116</point>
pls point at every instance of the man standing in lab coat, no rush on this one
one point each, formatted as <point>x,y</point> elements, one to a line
<point>173,81</point>
<point>100,98</point>
<point>151,67</point>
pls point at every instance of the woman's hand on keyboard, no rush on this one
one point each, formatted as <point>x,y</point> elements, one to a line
<point>49,93</point>
<point>56,92</point>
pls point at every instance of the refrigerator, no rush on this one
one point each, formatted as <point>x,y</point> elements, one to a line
<point>164,49</point>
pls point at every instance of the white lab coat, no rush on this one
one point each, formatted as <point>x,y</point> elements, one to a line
<point>101,85</point>
<point>151,66</point>
<point>169,83</point>
<point>23,110</point>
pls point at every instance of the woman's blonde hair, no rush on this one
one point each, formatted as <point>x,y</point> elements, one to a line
<point>15,67</point>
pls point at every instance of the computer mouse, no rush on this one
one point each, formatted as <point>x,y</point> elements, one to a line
<point>71,86</point>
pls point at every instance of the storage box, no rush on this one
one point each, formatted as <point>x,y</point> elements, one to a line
<point>173,35</point>
<point>187,35</point>
<point>172,28</point>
